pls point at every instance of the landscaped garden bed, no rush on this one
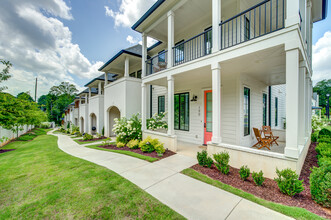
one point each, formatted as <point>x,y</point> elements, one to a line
<point>269,190</point>
<point>92,140</point>
<point>153,154</point>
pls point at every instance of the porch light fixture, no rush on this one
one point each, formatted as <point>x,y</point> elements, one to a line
<point>194,99</point>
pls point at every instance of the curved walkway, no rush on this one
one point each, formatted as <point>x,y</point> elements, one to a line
<point>162,179</point>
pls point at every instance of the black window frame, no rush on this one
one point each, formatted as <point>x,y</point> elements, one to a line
<point>247,29</point>
<point>186,123</point>
<point>265,109</point>
<point>139,74</point>
<point>247,131</point>
<point>276,111</point>
<point>160,99</point>
<point>134,74</point>
<point>159,59</point>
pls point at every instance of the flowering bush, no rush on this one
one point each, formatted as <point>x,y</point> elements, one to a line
<point>157,122</point>
<point>133,144</point>
<point>127,130</point>
<point>148,145</point>
<point>317,123</point>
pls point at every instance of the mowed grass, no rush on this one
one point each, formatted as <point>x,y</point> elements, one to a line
<point>294,212</point>
<point>40,181</point>
<point>128,153</point>
<point>32,134</point>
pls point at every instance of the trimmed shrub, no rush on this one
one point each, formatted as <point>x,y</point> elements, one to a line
<point>120,145</point>
<point>323,150</point>
<point>204,160</point>
<point>288,182</point>
<point>133,144</point>
<point>258,178</point>
<point>324,132</point>
<point>99,135</point>
<point>324,139</point>
<point>87,137</point>
<point>148,145</point>
<point>159,149</point>
<point>324,161</point>
<point>244,172</point>
<point>106,142</point>
<point>103,131</point>
<point>320,185</point>
<point>222,162</point>
<point>314,137</point>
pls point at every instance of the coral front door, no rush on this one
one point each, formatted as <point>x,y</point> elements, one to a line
<point>208,125</point>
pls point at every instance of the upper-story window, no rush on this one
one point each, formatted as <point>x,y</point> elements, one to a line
<point>179,52</point>
<point>208,40</point>
<point>161,57</point>
<point>132,74</point>
<point>139,74</point>
<point>247,29</point>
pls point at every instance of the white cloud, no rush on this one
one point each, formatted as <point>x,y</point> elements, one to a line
<point>129,11</point>
<point>38,44</point>
<point>322,58</point>
<point>131,39</point>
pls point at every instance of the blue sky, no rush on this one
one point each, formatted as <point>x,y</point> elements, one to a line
<point>68,40</point>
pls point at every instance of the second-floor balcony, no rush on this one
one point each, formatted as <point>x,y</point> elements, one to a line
<point>259,20</point>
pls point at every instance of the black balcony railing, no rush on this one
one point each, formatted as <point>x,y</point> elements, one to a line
<point>261,19</point>
<point>157,63</point>
<point>193,48</point>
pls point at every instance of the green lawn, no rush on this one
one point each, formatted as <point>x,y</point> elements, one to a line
<point>32,134</point>
<point>129,153</point>
<point>294,212</point>
<point>39,181</point>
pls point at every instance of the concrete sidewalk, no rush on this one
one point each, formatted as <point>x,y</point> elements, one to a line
<point>162,179</point>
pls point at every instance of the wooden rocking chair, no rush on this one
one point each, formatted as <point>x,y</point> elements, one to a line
<point>262,142</point>
<point>268,134</point>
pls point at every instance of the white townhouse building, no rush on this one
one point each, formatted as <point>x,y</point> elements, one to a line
<point>84,118</point>
<point>225,67</point>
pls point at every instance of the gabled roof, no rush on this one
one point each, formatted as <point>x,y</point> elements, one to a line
<point>111,78</point>
<point>134,50</point>
<point>147,14</point>
<point>86,91</point>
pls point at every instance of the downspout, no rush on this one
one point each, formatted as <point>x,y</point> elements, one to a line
<point>269,106</point>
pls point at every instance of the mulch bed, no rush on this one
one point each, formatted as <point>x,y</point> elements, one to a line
<point>166,154</point>
<point>94,139</point>
<point>269,190</point>
<point>5,150</point>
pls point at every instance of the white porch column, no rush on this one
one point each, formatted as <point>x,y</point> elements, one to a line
<point>171,38</point>
<point>171,100</point>
<point>89,92</point>
<point>106,79</point>
<point>216,25</point>
<point>143,106</point>
<point>306,104</point>
<point>86,118</point>
<point>292,103</point>
<point>292,13</point>
<point>144,55</point>
<point>126,67</point>
<point>216,88</point>
<point>99,88</point>
<point>310,87</point>
<point>301,112</point>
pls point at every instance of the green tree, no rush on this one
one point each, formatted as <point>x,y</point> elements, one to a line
<point>65,88</point>
<point>25,96</point>
<point>322,88</point>
<point>4,74</point>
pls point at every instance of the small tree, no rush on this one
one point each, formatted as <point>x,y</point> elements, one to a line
<point>4,74</point>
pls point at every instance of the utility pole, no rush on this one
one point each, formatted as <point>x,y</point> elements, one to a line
<point>35,94</point>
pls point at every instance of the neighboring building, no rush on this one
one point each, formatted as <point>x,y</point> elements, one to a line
<point>229,66</point>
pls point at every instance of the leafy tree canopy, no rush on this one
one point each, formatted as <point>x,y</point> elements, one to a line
<point>65,88</point>
<point>322,88</point>
<point>4,74</point>
<point>25,96</point>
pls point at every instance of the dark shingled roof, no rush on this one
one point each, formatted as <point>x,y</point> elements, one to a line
<point>111,78</point>
<point>93,91</point>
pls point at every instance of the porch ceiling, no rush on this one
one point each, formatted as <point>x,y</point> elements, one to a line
<point>267,66</point>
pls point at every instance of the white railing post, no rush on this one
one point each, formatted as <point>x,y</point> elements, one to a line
<point>143,55</point>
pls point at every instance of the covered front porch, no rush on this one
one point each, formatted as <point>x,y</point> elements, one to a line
<point>250,96</point>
